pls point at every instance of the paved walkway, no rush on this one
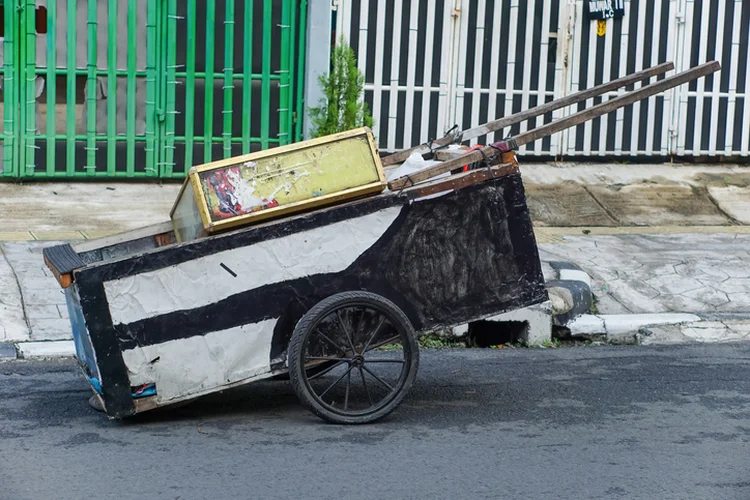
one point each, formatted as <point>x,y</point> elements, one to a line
<point>598,195</point>
<point>636,273</point>
<point>655,273</point>
<point>655,238</point>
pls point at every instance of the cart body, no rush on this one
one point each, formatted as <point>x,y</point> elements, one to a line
<point>155,325</point>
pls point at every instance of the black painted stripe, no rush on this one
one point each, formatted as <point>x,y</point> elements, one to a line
<point>521,41</point>
<point>437,48</point>
<point>385,105</point>
<point>416,123</point>
<point>387,42</point>
<point>112,371</point>
<point>648,42</point>
<point>421,55</point>
<point>401,123</point>
<point>583,65</point>
<point>429,250</point>
<point>404,54</point>
<point>354,30</point>
<point>469,40</point>
<point>489,50</point>
<point>695,41</point>
<point>503,54</point>
<point>372,29</point>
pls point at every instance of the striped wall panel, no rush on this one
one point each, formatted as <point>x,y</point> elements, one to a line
<point>433,64</point>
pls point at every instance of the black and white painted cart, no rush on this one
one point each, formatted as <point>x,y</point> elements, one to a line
<point>334,297</point>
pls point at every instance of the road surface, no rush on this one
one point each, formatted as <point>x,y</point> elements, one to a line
<point>669,422</point>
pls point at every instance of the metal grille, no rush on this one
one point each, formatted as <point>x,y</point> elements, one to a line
<point>135,88</point>
<point>431,64</point>
<point>230,91</point>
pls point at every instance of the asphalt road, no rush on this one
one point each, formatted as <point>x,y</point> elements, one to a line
<point>588,422</point>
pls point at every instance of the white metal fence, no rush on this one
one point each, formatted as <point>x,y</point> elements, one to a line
<point>432,64</point>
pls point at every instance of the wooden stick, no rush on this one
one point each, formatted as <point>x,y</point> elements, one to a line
<point>556,126</point>
<point>461,181</point>
<point>542,109</point>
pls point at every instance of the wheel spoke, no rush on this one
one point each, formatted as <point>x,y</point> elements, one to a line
<point>358,328</point>
<point>348,383</point>
<point>377,378</point>
<point>364,384</point>
<point>337,381</point>
<point>326,370</point>
<point>334,344</point>
<point>336,358</point>
<point>346,330</point>
<point>386,361</point>
<point>375,332</point>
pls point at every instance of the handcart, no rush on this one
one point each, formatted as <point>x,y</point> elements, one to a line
<point>334,295</point>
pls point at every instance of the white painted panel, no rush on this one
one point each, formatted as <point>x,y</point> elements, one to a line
<point>202,281</point>
<point>197,364</point>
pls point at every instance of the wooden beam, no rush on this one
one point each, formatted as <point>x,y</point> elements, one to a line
<point>542,109</point>
<point>135,234</point>
<point>65,280</point>
<point>461,180</point>
<point>490,152</point>
<point>616,103</point>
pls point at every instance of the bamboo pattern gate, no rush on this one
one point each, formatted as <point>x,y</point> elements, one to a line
<point>146,88</point>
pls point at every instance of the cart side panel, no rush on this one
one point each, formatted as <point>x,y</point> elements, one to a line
<point>194,317</point>
<point>198,317</point>
<point>459,257</point>
<point>84,349</point>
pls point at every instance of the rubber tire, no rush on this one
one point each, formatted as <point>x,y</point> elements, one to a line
<point>303,329</point>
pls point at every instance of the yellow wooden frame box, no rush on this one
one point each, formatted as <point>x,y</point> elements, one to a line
<point>276,182</point>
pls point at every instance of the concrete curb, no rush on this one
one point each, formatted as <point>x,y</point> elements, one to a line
<point>623,328</point>
<point>570,292</point>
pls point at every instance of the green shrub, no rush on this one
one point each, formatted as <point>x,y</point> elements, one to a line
<point>343,107</point>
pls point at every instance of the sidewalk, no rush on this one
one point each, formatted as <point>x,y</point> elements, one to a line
<point>657,239</point>
<point>566,195</point>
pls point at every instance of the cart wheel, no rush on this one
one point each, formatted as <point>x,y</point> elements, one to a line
<point>371,353</point>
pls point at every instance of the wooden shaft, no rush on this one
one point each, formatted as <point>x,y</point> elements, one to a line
<point>542,109</point>
<point>556,126</point>
<point>616,103</point>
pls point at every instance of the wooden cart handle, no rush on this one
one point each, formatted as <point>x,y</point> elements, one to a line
<point>497,148</point>
<point>542,109</point>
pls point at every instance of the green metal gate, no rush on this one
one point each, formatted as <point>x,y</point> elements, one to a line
<point>146,88</point>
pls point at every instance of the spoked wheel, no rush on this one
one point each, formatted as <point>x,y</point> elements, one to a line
<point>368,351</point>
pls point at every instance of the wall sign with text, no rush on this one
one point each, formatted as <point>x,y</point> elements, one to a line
<point>605,9</point>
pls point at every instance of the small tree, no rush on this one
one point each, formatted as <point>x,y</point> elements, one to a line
<point>343,107</point>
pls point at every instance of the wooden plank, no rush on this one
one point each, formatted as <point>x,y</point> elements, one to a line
<point>461,181</point>
<point>65,280</point>
<point>543,109</point>
<point>500,147</point>
<point>450,154</point>
<point>616,103</point>
<point>115,239</point>
<point>164,239</point>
